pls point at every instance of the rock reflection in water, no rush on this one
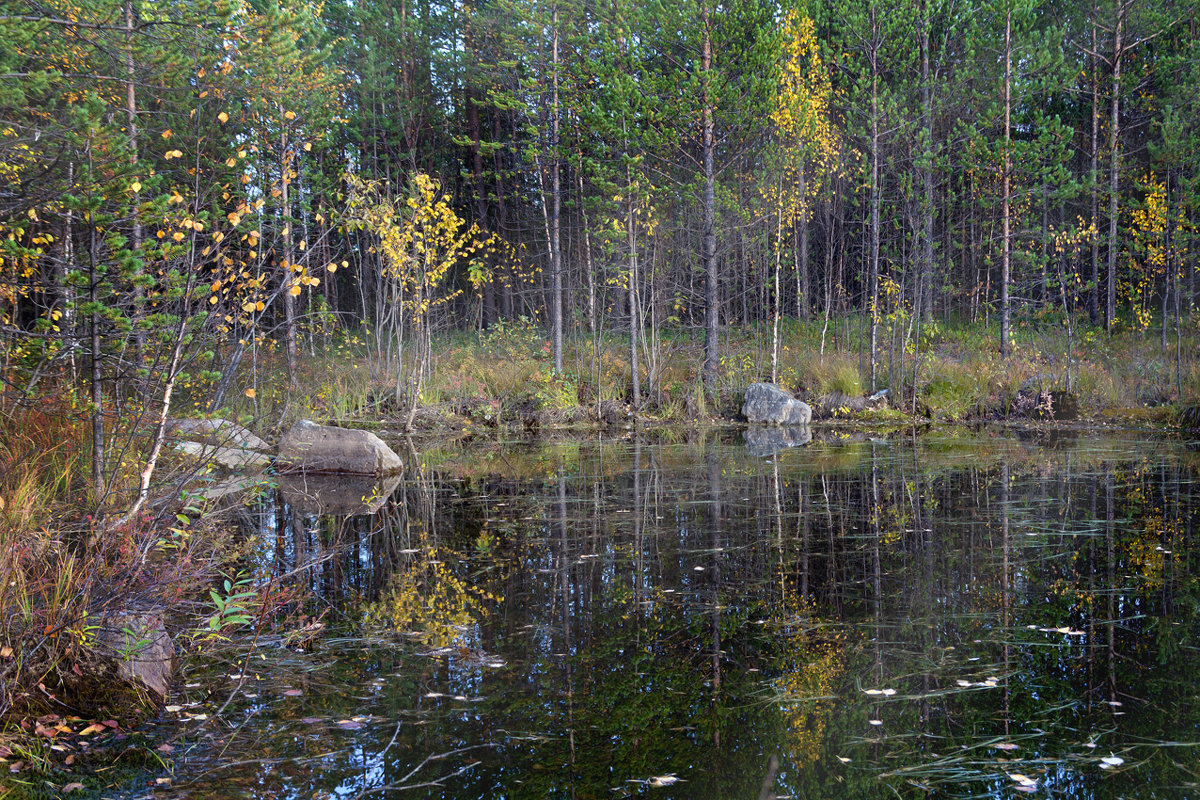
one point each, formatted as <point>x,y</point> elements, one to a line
<point>763,441</point>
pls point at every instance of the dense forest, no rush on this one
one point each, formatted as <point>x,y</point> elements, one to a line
<point>183,180</point>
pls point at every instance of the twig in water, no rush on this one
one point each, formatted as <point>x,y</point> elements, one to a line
<point>403,784</point>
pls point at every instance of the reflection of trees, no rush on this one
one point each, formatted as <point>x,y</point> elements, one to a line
<point>644,583</point>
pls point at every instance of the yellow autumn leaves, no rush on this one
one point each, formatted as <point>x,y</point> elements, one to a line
<point>803,120</point>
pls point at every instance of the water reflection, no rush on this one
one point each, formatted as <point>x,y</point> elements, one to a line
<point>967,617</point>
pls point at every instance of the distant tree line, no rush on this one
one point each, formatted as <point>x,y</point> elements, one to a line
<point>180,177</point>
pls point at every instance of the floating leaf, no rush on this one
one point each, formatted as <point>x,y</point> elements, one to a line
<point>1005,746</point>
<point>1110,761</point>
<point>348,724</point>
<point>1022,780</point>
<point>663,780</point>
<point>293,693</point>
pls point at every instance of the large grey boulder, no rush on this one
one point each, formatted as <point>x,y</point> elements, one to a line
<point>138,650</point>
<point>768,404</point>
<point>310,447</point>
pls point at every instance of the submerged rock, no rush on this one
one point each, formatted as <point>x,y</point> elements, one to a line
<point>311,447</point>
<point>768,404</point>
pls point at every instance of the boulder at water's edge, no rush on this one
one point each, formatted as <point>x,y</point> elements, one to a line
<point>311,447</point>
<point>768,404</point>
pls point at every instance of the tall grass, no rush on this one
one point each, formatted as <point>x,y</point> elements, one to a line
<point>500,373</point>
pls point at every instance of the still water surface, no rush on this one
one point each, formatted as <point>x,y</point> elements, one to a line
<point>968,616</point>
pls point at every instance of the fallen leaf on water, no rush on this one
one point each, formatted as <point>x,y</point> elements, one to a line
<point>310,720</point>
<point>90,729</point>
<point>843,759</point>
<point>1110,761</point>
<point>293,693</point>
<point>173,709</point>
<point>963,683</point>
<point>348,724</point>
<point>875,721</point>
<point>1022,780</point>
<point>663,780</point>
<point>1005,746</point>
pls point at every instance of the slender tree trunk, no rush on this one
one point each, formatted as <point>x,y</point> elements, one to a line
<point>875,199</point>
<point>926,277</point>
<point>99,485</point>
<point>708,232</point>
<point>778,299</point>
<point>589,266</point>
<point>1114,179</point>
<point>137,234</point>
<point>556,281</point>
<point>1006,212</point>
<point>1094,294</point>
<point>285,262</point>
<point>489,287</point>
<point>803,283</point>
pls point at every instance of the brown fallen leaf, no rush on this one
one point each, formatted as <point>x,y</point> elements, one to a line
<point>349,724</point>
<point>293,693</point>
<point>70,787</point>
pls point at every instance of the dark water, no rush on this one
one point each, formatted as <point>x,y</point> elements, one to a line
<point>948,616</point>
